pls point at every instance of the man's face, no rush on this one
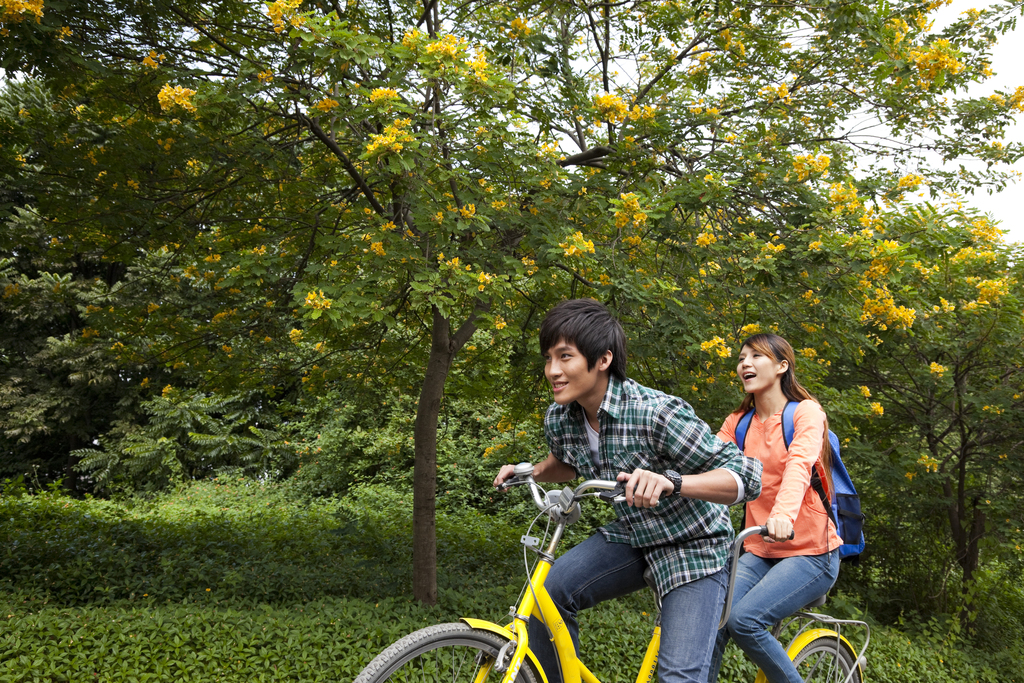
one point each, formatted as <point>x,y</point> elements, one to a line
<point>566,370</point>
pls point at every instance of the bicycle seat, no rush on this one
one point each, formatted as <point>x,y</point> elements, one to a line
<point>816,603</point>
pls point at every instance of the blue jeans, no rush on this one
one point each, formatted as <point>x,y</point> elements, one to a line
<point>767,591</point>
<point>597,570</point>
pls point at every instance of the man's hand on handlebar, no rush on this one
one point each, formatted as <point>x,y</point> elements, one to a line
<point>504,473</point>
<point>645,488</point>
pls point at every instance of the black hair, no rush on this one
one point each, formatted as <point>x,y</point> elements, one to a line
<point>591,328</point>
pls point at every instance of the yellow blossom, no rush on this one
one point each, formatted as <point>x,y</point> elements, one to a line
<point>937,369</point>
<point>317,300</point>
<point>717,346</point>
<point>177,96</point>
<point>611,108</point>
<point>876,408</point>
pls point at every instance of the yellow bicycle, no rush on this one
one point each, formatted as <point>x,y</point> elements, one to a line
<point>474,650</point>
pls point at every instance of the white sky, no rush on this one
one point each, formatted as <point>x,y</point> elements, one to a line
<point>1007,207</point>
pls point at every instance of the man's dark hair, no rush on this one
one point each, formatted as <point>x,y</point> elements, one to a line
<point>590,326</point>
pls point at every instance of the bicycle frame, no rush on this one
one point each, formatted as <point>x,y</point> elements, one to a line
<point>536,602</point>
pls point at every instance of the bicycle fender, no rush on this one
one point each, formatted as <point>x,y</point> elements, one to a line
<point>807,636</point>
<point>504,633</point>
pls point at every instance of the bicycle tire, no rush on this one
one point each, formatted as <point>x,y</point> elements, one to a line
<point>826,660</point>
<point>445,652</point>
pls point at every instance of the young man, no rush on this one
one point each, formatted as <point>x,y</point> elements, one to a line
<point>679,478</point>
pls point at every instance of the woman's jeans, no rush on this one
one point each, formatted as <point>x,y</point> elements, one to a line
<point>597,570</point>
<point>767,591</point>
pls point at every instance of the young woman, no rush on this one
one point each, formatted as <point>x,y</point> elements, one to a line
<point>776,576</point>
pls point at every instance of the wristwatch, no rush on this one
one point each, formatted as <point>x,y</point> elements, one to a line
<point>677,481</point>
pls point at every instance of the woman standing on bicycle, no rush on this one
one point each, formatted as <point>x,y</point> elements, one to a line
<point>777,576</point>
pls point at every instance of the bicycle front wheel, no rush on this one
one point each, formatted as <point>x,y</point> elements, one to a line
<point>453,653</point>
<point>826,660</point>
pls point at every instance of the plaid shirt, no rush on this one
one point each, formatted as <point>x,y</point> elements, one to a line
<point>683,539</point>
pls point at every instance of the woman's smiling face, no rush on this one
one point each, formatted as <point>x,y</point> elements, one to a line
<point>758,371</point>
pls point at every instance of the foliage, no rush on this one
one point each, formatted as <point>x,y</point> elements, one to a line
<point>301,623</point>
<point>226,539</point>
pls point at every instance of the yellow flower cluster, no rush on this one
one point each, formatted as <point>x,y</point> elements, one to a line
<point>284,11</point>
<point>447,46</point>
<point>611,108</point>
<point>177,96</point>
<point>630,211</point>
<point>378,248</point>
<point>577,244</point>
<point>929,463</point>
<point>809,352</point>
<point>265,76</point>
<point>991,291</point>
<point>325,105</point>
<point>484,279</point>
<point>16,11</point>
<point>909,181</point>
<point>468,211</point>
<point>643,113</point>
<point>877,409</point>
<point>939,57</point>
<point>717,346</point>
<point>706,238</point>
<point>968,254</point>
<point>499,323</point>
<point>392,140</point>
<point>805,165</point>
<point>519,28</point>
<point>884,311</point>
<point>986,230</point>
<point>295,335</point>
<point>317,300</point>
<point>498,204</point>
<point>937,369</point>
<point>385,95</point>
<point>844,197</point>
<point>1017,99</point>
<point>153,60</point>
<point>479,65</point>
<point>751,329</point>
<point>865,392</point>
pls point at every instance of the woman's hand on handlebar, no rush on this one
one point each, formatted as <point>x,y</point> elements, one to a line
<point>504,473</point>
<point>645,488</point>
<point>779,529</point>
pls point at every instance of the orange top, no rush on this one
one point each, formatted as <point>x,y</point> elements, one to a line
<point>786,481</point>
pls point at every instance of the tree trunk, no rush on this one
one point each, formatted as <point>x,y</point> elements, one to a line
<point>443,347</point>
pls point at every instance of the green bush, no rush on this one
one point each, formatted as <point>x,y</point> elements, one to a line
<point>237,540</point>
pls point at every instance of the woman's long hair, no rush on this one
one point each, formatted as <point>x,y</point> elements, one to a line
<point>778,349</point>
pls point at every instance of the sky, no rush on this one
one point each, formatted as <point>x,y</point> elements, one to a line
<point>1007,207</point>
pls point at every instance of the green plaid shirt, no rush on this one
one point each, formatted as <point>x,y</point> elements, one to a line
<point>683,539</point>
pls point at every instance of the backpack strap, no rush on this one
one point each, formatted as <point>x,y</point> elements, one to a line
<point>788,430</point>
<point>741,428</point>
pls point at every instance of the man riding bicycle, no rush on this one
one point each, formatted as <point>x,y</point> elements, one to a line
<point>679,478</point>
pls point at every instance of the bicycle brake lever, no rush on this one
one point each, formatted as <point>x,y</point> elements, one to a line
<point>615,495</point>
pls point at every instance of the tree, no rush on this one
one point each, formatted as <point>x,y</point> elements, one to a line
<point>410,175</point>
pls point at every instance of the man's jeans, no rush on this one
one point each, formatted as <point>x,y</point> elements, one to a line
<point>597,570</point>
<point>767,591</point>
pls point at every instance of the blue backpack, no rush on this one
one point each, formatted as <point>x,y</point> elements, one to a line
<point>845,508</point>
